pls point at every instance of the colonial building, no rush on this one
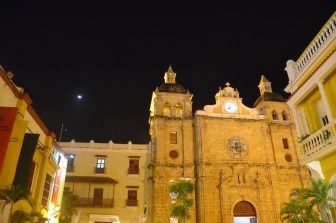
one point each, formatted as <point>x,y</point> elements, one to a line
<point>109,180</point>
<point>312,83</point>
<point>243,160</point>
<point>29,155</point>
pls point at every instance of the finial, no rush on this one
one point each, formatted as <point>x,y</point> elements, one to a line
<point>170,69</point>
<point>227,84</point>
<point>263,79</point>
<point>170,75</point>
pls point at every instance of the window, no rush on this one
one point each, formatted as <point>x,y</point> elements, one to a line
<point>132,199</point>
<point>275,115</point>
<point>46,190</point>
<point>71,161</point>
<point>31,175</point>
<point>179,111</point>
<point>166,110</point>
<point>133,166</point>
<point>322,113</point>
<point>173,137</point>
<point>325,120</point>
<point>100,166</point>
<point>284,116</point>
<point>285,143</point>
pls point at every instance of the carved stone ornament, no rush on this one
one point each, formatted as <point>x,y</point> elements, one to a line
<point>237,147</point>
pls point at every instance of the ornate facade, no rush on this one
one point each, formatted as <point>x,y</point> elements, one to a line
<point>242,160</point>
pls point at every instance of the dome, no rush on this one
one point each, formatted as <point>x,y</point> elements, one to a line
<point>269,96</point>
<point>172,88</point>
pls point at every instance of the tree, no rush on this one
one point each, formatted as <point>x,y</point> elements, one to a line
<point>68,207</point>
<point>180,208</point>
<point>10,196</point>
<point>319,196</point>
<point>299,210</point>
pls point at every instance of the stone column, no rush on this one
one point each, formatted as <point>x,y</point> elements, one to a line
<point>325,101</point>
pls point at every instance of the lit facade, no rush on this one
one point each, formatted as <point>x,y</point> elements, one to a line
<point>243,160</point>
<point>30,157</point>
<point>109,179</point>
<point>312,84</point>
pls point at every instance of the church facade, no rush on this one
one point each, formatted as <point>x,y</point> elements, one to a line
<point>243,161</point>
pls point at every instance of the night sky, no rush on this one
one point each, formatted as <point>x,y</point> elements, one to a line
<point>116,55</point>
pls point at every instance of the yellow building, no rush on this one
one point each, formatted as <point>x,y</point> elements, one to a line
<point>243,160</point>
<point>109,179</point>
<point>30,157</point>
<point>312,84</point>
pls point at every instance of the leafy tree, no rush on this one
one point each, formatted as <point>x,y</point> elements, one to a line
<point>68,207</point>
<point>301,208</point>
<point>180,208</point>
<point>10,196</point>
<point>298,210</point>
<point>319,196</point>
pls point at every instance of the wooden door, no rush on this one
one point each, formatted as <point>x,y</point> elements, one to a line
<point>98,196</point>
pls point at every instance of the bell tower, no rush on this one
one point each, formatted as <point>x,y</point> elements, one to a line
<point>265,85</point>
<point>172,154</point>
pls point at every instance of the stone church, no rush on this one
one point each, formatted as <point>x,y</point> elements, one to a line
<point>243,161</point>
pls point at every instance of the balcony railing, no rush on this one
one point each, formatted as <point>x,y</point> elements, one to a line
<point>316,145</point>
<point>70,169</point>
<point>99,170</point>
<point>132,203</point>
<point>327,33</point>
<point>133,170</point>
<point>90,202</point>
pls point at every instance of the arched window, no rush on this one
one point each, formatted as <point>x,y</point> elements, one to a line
<point>284,116</point>
<point>275,115</point>
<point>179,111</point>
<point>166,110</point>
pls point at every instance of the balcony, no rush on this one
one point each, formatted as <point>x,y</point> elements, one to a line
<point>133,170</point>
<point>327,34</point>
<point>319,144</point>
<point>132,203</point>
<point>99,170</point>
<point>70,169</point>
<point>90,202</point>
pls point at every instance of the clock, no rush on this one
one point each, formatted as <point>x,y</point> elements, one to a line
<point>231,107</point>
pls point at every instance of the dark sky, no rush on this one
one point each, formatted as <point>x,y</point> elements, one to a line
<point>115,56</point>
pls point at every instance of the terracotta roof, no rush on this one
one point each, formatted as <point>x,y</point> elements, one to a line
<point>90,179</point>
<point>267,96</point>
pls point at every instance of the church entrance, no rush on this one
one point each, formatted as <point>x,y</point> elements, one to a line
<point>244,212</point>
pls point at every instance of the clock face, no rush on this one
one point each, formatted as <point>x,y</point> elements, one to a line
<point>231,107</point>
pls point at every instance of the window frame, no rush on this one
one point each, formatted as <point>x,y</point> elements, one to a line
<point>70,163</point>
<point>101,164</point>
<point>134,168</point>
<point>285,143</point>
<point>173,137</point>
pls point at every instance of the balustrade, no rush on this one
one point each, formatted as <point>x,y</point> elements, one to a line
<point>91,202</point>
<point>326,33</point>
<point>318,140</point>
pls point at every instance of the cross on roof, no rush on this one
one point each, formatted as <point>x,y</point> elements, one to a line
<point>227,84</point>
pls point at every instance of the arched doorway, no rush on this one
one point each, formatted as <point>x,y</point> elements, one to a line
<point>244,212</point>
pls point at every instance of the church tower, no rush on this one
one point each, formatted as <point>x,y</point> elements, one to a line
<point>172,157</point>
